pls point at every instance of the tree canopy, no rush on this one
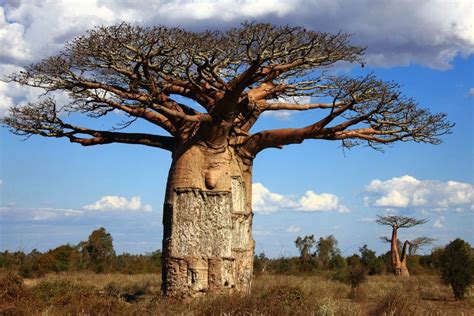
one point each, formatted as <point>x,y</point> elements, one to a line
<point>213,86</point>
<point>398,221</point>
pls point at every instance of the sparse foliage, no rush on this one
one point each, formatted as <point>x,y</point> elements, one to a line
<point>139,71</point>
<point>399,221</point>
<point>305,245</point>
<point>326,250</point>
<point>418,243</point>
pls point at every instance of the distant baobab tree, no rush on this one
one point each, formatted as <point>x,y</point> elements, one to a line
<point>399,260</point>
<point>205,91</point>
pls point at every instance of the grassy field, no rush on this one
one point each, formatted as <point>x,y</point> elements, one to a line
<point>119,294</point>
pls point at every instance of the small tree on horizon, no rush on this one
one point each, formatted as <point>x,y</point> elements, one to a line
<point>372,263</point>
<point>326,250</point>
<point>307,247</point>
<point>98,249</point>
<point>399,256</point>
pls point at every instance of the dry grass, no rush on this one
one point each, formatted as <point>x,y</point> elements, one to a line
<point>117,294</point>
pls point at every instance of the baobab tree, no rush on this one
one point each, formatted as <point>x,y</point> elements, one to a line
<point>399,260</point>
<point>417,243</point>
<point>205,91</point>
<point>305,245</point>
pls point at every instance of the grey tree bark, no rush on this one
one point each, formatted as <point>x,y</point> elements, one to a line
<point>208,245</point>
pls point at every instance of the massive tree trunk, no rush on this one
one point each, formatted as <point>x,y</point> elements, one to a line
<point>207,244</point>
<point>399,264</point>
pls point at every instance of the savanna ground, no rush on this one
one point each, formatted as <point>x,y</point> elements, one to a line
<point>86,293</point>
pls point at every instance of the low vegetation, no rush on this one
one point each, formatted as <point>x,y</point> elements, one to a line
<point>96,254</point>
<point>81,293</point>
<point>90,279</point>
<point>457,267</point>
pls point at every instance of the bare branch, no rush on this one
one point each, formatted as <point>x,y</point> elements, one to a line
<point>419,242</point>
<point>376,108</point>
<point>42,119</point>
<point>398,221</point>
<point>146,72</point>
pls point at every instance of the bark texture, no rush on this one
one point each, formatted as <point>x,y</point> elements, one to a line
<point>399,263</point>
<point>208,245</point>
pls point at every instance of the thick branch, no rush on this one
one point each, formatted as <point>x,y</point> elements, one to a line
<point>25,121</point>
<point>279,137</point>
<point>298,107</point>
<point>105,137</point>
<point>234,75</point>
<point>376,110</point>
<point>405,251</point>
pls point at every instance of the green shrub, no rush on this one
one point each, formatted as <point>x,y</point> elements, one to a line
<point>356,275</point>
<point>457,267</point>
<point>337,262</point>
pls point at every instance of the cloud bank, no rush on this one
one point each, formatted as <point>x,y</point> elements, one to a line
<point>118,203</point>
<point>266,202</point>
<point>430,32</point>
<point>109,204</point>
<point>409,192</point>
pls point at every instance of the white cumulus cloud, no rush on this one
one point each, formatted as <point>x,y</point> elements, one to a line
<point>407,191</point>
<point>12,45</point>
<point>293,229</point>
<point>430,32</point>
<point>313,202</point>
<point>265,201</point>
<point>118,203</point>
<point>439,223</point>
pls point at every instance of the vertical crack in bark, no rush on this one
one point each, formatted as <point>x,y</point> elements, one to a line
<point>208,232</point>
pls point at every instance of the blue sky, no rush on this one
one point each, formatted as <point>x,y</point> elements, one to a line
<point>54,192</point>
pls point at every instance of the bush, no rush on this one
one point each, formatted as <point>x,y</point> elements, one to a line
<point>398,302</point>
<point>11,287</point>
<point>15,297</point>
<point>457,267</point>
<point>354,274</point>
<point>337,262</point>
<point>373,264</point>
